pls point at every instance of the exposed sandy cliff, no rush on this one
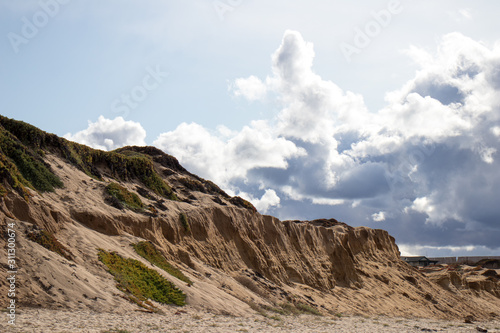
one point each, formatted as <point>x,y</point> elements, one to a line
<point>237,259</point>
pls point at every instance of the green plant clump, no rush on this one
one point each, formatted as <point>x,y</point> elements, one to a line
<point>50,242</point>
<point>149,252</point>
<point>3,191</point>
<point>127,198</point>
<point>289,308</point>
<point>307,309</point>
<point>30,170</point>
<point>11,176</point>
<point>184,221</point>
<point>139,282</point>
<point>193,184</point>
<point>240,202</point>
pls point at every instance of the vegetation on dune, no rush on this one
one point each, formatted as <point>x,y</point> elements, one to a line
<point>149,252</point>
<point>305,308</point>
<point>240,202</point>
<point>24,145</point>
<point>195,183</point>
<point>184,222</point>
<point>214,189</point>
<point>124,196</point>
<point>10,175</point>
<point>50,242</point>
<point>3,190</point>
<point>139,282</point>
<point>23,167</point>
<point>192,184</point>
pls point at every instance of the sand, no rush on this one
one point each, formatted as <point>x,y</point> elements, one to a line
<point>188,319</point>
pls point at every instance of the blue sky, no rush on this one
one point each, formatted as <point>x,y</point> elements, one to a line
<point>377,113</point>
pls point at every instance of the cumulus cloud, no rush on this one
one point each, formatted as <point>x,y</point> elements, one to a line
<point>109,134</point>
<point>378,217</point>
<point>268,200</point>
<point>226,156</point>
<point>425,165</point>
<point>251,88</point>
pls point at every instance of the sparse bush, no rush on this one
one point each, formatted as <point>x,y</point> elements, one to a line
<point>11,175</point>
<point>289,308</point>
<point>184,222</point>
<point>240,202</point>
<point>214,189</point>
<point>3,191</point>
<point>21,166</point>
<point>149,252</point>
<point>50,242</point>
<point>124,196</point>
<point>139,282</point>
<point>307,309</point>
<point>275,309</point>
<point>192,184</point>
<point>257,308</point>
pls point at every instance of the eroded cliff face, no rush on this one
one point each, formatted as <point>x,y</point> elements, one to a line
<point>235,256</point>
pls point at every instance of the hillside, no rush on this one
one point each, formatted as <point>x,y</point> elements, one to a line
<point>78,212</point>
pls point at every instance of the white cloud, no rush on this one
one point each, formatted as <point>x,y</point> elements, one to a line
<point>424,205</point>
<point>227,156</point>
<point>326,201</point>
<point>487,154</point>
<point>269,199</point>
<point>378,217</point>
<point>109,134</point>
<point>251,88</point>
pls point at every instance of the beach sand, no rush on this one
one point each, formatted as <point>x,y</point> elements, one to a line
<point>190,320</point>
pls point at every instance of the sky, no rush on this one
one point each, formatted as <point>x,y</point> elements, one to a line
<point>377,113</point>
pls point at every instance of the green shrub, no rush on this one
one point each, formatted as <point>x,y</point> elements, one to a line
<point>139,282</point>
<point>289,308</point>
<point>11,176</point>
<point>307,309</point>
<point>50,242</point>
<point>184,222</point>
<point>3,191</point>
<point>149,252</point>
<point>127,198</point>
<point>28,164</point>
<point>275,309</point>
<point>240,202</point>
<point>192,184</point>
<point>257,308</point>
